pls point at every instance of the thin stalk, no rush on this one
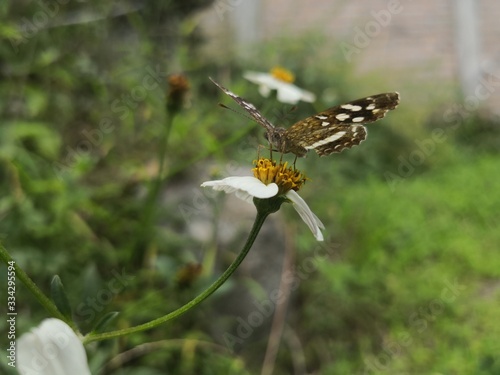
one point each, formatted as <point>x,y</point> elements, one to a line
<point>154,190</point>
<point>32,287</point>
<point>259,221</point>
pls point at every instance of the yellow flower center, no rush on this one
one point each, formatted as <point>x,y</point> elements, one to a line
<point>287,178</point>
<point>282,74</point>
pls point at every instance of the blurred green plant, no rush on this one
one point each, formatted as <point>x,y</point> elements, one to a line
<point>82,114</point>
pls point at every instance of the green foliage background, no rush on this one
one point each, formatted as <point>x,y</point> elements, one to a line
<point>410,216</point>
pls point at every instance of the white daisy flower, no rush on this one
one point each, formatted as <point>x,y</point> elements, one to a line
<point>280,80</point>
<point>272,180</point>
<point>52,348</point>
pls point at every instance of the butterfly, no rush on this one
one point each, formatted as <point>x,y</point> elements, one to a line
<point>326,132</point>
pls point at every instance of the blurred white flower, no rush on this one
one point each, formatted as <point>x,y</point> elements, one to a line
<point>280,80</point>
<point>52,348</point>
<point>286,182</point>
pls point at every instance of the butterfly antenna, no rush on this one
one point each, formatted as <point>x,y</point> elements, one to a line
<point>237,112</point>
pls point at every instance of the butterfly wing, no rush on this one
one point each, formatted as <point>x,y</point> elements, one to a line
<point>341,126</point>
<point>249,107</point>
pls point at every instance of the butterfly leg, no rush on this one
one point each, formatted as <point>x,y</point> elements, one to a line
<point>294,160</point>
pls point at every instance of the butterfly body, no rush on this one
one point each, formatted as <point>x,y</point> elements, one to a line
<point>326,132</point>
<point>278,138</point>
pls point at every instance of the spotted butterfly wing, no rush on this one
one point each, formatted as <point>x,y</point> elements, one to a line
<point>340,127</point>
<point>327,132</point>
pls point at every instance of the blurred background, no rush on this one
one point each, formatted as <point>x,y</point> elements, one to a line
<point>109,124</point>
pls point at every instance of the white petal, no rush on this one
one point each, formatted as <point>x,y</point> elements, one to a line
<point>291,94</point>
<point>245,187</point>
<point>288,95</point>
<point>264,90</point>
<point>287,92</point>
<point>264,79</point>
<point>312,221</point>
<point>307,96</point>
<point>51,349</point>
<point>243,195</point>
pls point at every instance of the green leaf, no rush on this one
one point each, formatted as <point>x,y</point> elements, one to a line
<point>59,296</point>
<point>104,321</point>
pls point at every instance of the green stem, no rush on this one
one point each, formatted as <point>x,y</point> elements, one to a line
<point>154,190</point>
<point>259,220</point>
<point>163,147</point>
<point>26,280</point>
<point>157,183</point>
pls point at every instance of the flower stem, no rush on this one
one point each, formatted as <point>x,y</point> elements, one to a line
<point>26,280</point>
<point>259,220</point>
<point>153,192</point>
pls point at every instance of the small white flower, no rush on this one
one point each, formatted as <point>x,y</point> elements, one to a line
<point>246,188</point>
<point>287,92</point>
<point>52,348</point>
